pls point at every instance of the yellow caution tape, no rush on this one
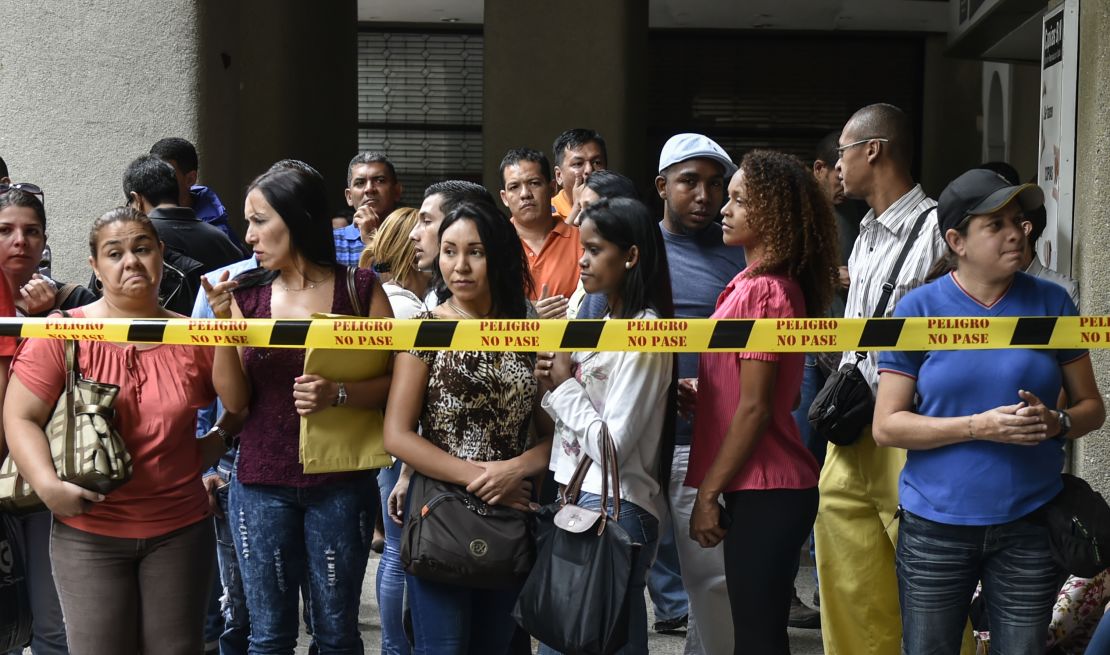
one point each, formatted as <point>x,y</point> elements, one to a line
<point>664,335</point>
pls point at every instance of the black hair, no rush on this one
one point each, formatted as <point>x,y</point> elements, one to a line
<point>510,283</point>
<point>370,157</point>
<point>120,215</point>
<point>517,155</point>
<point>1004,169</point>
<point>608,184</point>
<point>885,121</point>
<point>575,138</point>
<point>3,168</point>
<point>152,178</point>
<point>20,198</point>
<point>626,222</point>
<point>826,149</point>
<point>180,151</point>
<point>295,164</point>
<point>455,192</point>
<point>300,200</point>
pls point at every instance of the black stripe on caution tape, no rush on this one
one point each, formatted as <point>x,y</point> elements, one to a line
<point>731,334</point>
<point>149,331</point>
<point>583,334</point>
<point>1035,331</point>
<point>435,334</point>
<point>289,333</point>
<point>881,333</point>
<point>11,330</point>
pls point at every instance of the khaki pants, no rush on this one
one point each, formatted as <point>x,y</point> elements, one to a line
<point>856,535</point>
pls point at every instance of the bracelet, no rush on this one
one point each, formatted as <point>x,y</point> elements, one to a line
<point>971,432</point>
<point>228,438</point>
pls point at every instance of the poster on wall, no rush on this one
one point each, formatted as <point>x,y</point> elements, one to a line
<point>1056,169</point>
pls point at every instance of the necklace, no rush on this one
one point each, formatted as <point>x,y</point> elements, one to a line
<point>308,284</point>
<point>458,310</point>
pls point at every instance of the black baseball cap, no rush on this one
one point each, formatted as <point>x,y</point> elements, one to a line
<point>980,191</point>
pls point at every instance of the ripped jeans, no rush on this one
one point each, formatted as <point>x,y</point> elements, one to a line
<point>285,535</point>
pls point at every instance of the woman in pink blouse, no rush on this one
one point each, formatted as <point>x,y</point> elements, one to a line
<point>131,566</point>
<point>746,449</point>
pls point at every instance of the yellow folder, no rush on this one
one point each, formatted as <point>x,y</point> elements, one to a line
<point>343,438</point>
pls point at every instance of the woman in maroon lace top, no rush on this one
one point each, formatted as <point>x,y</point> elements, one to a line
<point>293,527</point>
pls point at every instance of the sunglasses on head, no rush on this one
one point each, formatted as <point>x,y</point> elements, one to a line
<point>26,187</point>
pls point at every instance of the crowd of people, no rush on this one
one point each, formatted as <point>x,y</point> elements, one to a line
<point>722,481</point>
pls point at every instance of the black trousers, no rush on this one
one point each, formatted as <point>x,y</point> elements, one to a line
<point>761,550</point>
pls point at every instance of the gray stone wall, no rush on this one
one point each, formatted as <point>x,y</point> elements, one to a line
<point>1092,213</point>
<point>85,88</point>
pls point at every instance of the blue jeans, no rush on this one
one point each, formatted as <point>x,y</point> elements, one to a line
<point>643,528</point>
<point>453,620</point>
<point>1100,641</point>
<point>391,575</point>
<point>812,381</point>
<point>48,629</point>
<point>939,565</point>
<point>287,535</point>
<point>664,579</point>
<point>233,601</point>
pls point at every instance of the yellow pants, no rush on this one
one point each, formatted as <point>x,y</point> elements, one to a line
<point>856,534</point>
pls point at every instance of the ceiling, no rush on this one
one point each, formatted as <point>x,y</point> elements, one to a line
<point>820,15</point>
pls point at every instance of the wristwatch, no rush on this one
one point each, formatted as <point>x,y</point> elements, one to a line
<point>228,438</point>
<point>341,398</point>
<point>1065,422</point>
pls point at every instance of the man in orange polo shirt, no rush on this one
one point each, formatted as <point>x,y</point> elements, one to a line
<point>578,152</point>
<point>552,246</point>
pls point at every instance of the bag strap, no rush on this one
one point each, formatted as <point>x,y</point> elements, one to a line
<point>892,279</point>
<point>610,473</point>
<point>352,291</point>
<point>888,286</point>
<point>63,294</point>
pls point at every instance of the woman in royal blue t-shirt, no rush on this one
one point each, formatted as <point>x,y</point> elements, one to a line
<point>983,431</point>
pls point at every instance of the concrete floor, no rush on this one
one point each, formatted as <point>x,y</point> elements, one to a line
<point>802,642</point>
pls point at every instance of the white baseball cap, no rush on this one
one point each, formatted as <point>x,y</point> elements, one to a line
<point>681,147</point>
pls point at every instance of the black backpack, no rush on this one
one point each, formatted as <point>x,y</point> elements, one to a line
<point>1078,522</point>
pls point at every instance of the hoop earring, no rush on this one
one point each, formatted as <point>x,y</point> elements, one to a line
<point>97,284</point>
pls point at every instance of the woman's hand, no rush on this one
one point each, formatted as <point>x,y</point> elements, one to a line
<point>501,483</point>
<point>705,521</point>
<point>1036,408</point>
<point>553,369</point>
<point>37,296</point>
<point>395,504</point>
<point>311,393</point>
<point>212,485</point>
<point>219,295</point>
<point>67,500</point>
<point>1019,424</point>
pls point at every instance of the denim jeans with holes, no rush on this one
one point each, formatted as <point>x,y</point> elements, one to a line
<point>390,580</point>
<point>939,565</point>
<point>286,535</point>
<point>233,603</point>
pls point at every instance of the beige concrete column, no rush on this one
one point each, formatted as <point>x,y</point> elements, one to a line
<point>554,66</point>
<point>1092,207</point>
<point>84,89</point>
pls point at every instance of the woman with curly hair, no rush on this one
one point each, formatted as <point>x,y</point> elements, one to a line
<point>746,448</point>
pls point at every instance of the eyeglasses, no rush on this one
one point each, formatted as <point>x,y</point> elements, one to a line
<point>26,187</point>
<point>840,150</point>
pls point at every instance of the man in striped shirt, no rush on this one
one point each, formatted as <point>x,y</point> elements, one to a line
<point>855,530</point>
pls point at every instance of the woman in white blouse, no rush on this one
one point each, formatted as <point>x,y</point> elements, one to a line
<point>630,392</point>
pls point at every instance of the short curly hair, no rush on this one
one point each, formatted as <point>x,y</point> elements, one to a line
<point>795,219</point>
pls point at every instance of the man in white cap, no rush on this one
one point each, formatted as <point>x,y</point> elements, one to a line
<point>693,174</point>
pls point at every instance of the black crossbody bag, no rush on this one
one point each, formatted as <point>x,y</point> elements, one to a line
<point>845,405</point>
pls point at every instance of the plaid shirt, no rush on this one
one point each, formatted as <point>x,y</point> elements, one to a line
<point>348,245</point>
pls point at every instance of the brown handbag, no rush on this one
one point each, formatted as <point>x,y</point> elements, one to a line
<point>86,447</point>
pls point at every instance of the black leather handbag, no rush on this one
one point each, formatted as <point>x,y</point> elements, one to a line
<point>452,536</point>
<point>15,604</point>
<point>1078,521</point>
<point>576,598</point>
<point>845,405</point>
